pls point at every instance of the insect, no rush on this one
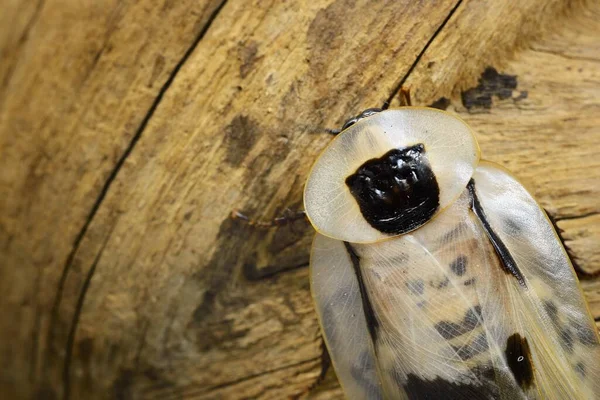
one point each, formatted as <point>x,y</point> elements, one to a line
<point>437,275</point>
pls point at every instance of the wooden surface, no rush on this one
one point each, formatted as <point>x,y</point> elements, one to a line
<point>130,130</point>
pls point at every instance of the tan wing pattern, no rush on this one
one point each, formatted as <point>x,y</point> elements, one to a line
<point>435,314</point>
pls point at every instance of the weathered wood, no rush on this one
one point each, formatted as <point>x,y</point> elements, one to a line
<point>123,154</point>
<point>78,80</point>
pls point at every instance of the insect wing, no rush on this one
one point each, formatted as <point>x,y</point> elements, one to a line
<point>430,312</point>
<point>339,307</point>
<point>551,309</point>
<point>437,312</point>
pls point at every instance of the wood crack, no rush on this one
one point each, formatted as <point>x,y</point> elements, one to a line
<point>111,178</point>
<point>76,314</point>
<point>580,216</point>
<point>22,39</point>
<point>563,55</point>
<point>397,88</point>
<point>205,392</point>
<point>581,273</point>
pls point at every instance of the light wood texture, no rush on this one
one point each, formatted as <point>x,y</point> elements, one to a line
<point>130,131</point>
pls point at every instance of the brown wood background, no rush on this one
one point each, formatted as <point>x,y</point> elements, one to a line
<point>129,130</point>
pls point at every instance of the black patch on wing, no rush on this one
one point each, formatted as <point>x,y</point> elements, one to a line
<point>551,310</point>
<point>506,259</point>
<point>418,388</point>
<point>518,357</point>
<point>477,346</point>
<point>580,368</point>
<point>440,285</point>
<point>416,286</point>
<point>566,339</point>
<point>397,192</point>
<point>459,266</point>
<point>371,319</point>
<point>450,330</point>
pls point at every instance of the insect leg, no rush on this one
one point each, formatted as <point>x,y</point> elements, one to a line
<point>405,97</point>
<point>351,121</point>
<point>288,217</point>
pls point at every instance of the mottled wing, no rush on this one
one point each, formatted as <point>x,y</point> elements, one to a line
<point>438,313</point>
<point>552,308</point>
<point>432,304</point>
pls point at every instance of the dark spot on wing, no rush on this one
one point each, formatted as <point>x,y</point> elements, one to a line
<point>416,286</point>
<point>397,192</point>
<point>451,235</point>
<point>566,339</point>
<point>441,284</point>
<point>418,388</point>
<point>370,317</point>
<point>518,357</point>
<point>477,346</point>
<point>459,266</point>
<point>512,226</point>
<point>472,317</point>
<point>491,83</point>
<point>580,368</point>
<point>450,330</point>
<point>551,310</point>
<point>469,282</point>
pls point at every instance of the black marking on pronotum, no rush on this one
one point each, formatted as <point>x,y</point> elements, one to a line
<point>508,262</point>
<point>417,387</point>
<point>449,330</point>
<point>518,357</point>
<point>371,319</point>
<point>397,192</point>
<point>459,266</point>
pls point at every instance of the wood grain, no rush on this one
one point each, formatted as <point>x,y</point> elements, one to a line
<point>130,131</point>
<point>78,81</point>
